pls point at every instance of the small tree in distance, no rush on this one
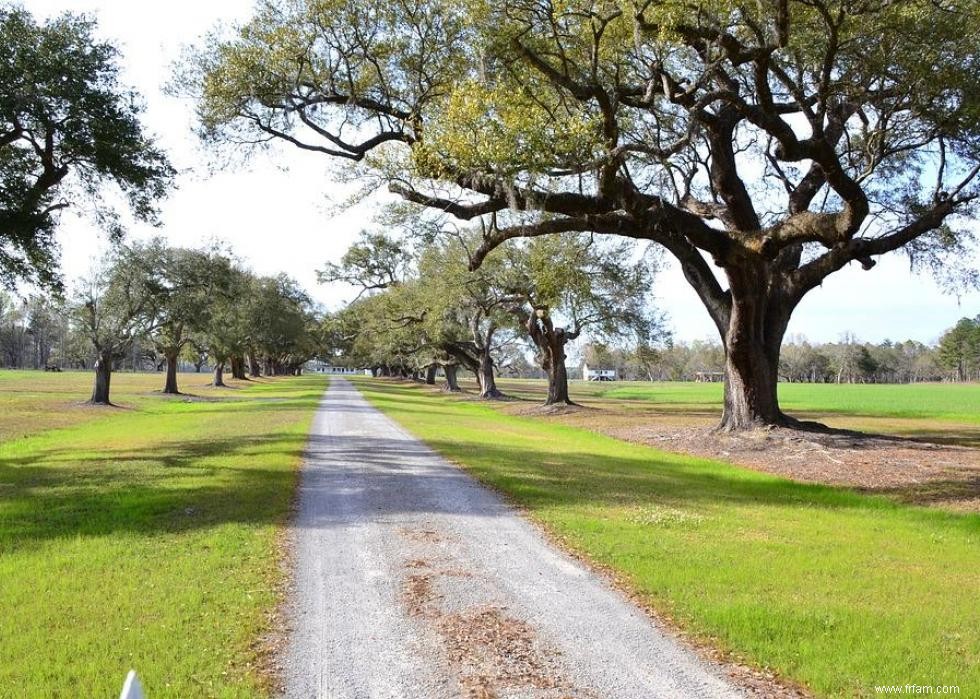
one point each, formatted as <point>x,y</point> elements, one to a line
<point>115,306</point>
<point>575,283</point>
<point>188,283</point>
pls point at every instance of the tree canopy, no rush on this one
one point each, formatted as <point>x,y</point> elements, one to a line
<point>775,142</point>
<point>67,129</point>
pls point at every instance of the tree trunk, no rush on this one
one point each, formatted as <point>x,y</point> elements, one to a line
<point>752,344</point>
<point>219,374</point>
<point>551,342</point>
<point>171,384</point>
<point>452,384</point>
<point>430,374</point>
<point>484,376</point>
<point>238,368</point>
<point>558,382</point>
<point>103,375</point>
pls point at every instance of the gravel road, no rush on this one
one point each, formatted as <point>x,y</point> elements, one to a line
<point>413,580</point>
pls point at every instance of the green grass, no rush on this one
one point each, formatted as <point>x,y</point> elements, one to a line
<point>953,402</point>
<point>142,536</point>
<point>833,589</point>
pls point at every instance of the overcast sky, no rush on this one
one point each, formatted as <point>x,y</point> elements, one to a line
<point>279,214</point>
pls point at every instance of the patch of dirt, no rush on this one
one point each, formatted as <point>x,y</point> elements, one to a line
<point>422,536</point>
<point>546,410</point>
<point>493,655</point>
<point>493,652</point>
<point>913,471</point>
<point>269,648</point>
<point>88,405</point>
<point>418,595</point>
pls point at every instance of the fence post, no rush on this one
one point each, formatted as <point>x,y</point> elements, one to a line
<point>131,687</point>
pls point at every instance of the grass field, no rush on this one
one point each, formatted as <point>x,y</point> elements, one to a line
<point>142,536</point>
<point>943,413</point>
<point>833,589</point>
<point>950,402</point>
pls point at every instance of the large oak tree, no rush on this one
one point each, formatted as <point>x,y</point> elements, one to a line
<point>765,145</point>
<point>68,128</point>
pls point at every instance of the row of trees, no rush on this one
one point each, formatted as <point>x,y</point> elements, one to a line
<point>419,312</point>
<point>955,358</point>
<point>172,303</point>
<point>32,331</point>
<point>959,350</point>
<point>763,145</point>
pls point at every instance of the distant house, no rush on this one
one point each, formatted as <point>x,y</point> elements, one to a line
<point>598,374</point>
<point>315,366</point>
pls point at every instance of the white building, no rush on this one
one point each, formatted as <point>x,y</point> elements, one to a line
<point>598,374</point>
<point>315,366</point>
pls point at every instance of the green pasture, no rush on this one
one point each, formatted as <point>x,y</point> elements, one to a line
<point>143,536</point>
<point>832,589</point>
<point>940,401</point>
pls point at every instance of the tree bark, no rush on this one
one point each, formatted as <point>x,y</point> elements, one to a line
<point>103,376</point>
<point>219,374</point>
<point>752,343</point>
<point>484,376</point>
<point>254,369</point>
<point>452,383</point>
<point>170,386</point>
<point>551,342</point>
<point>238,368</point>
<point>558,383</point>
<point>430,374</point>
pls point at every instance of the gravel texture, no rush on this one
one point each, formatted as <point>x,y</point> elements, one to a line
<point>413,580</point>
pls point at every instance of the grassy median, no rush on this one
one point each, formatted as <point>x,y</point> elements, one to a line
<point>833,589</point>
<point>142,536</point>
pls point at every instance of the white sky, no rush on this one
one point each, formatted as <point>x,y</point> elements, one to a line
<point>279,213</point>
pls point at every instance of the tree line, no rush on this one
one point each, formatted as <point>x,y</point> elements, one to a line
<point>421,311</point>
<point>151,301</point>
<point>956,357</point>
<point>763,146</point>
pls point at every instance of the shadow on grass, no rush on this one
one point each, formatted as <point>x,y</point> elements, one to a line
<point>166,488</point>
<point>604,479</point>
<point>174,487</point>
<point>936,492</point>
<point>926,431</point>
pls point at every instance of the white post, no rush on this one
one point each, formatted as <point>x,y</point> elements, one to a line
<point>131,687</point>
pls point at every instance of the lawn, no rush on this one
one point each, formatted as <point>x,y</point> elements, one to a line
<point>949,402</point>
<point>941,413</point>
<point>830,588</point>
<point>142,536</point>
